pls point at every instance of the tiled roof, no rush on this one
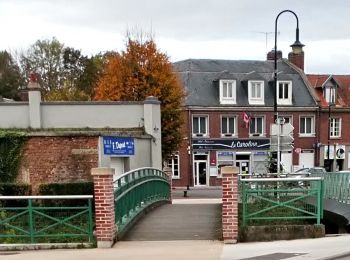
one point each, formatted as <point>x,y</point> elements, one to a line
<point>199,76</point>
<point>343,92</point>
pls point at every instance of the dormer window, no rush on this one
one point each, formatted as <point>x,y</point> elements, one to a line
<point>227,92</point>
<point>284,92</point>
<point>329,94</point>
<point>256,92</point>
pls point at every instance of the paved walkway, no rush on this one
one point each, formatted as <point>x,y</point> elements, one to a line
<point>197,219</point>
<point>302,249</point>
<point>331,247</point>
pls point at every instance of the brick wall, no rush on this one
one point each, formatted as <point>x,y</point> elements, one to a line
<point>58,159</point>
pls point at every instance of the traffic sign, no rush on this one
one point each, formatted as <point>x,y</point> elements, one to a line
<point>285,135</point>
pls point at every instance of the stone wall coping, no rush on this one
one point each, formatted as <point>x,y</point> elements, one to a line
<point>136,133</point>
<point>102,171</point>
<point>230,170</point>
<point>90,103</point>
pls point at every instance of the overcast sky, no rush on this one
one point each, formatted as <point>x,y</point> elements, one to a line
<point>217,29</point>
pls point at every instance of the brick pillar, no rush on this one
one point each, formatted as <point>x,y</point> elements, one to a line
<point>230,204</point>
<point>104,206</point>
<point>169,173</point>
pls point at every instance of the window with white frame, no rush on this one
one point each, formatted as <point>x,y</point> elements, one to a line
<point>256,126</point>
<point>329,94</point>
<point>307,125</point>
<point>227,92</point>
<point>174,164</point>
<point>256,92</point>
<point>335,127</point>
<point>228,125</point>
<point>284,93</point>
<point>200,125</point>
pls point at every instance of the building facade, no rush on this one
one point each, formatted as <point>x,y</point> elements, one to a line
<point>334,120</point>
<point>66,139</point>
<point>229,111</point>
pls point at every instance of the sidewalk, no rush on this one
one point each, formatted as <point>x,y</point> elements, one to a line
<point>301,249</point>
<point>320,248</point>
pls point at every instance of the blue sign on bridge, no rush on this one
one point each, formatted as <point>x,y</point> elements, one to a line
<point>118,145</point>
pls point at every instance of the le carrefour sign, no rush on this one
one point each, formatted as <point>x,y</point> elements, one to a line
<point>118,145</point>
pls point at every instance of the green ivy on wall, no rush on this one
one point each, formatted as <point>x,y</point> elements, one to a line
<point>11,143</point>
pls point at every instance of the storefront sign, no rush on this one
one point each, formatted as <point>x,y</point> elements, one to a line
<point>118,145</point>
<point>236,144</point>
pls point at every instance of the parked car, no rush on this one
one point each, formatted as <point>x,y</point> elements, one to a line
<point>306,172</point>
<point>310,171</point>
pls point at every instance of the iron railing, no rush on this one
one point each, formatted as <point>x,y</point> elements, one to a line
<point>282,200</point>
<point>337,186</point>
<point>137,190</point>
<point>46,219</point>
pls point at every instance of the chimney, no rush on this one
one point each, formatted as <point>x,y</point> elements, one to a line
<point>34,97</point>
<point>296,56</point>
<point>271,55</point>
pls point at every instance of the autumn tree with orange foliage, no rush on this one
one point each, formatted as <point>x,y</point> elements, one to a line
<point>143,71</point>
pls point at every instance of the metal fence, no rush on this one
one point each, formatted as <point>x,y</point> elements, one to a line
<point>281,200</point>
<point>337,186</point>
<point>46,219</point>
<point>137,190</point>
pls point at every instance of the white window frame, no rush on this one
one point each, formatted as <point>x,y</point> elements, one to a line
<point>262,127</point>
<point>330,94</point>
<point>251,92</point>
<point>227,96</point>
<point>284,101</point>
<point>200,134</point>
<point>172,162</point>
<point>332,127</point>
<point>228,134</point>
<point>303,117</point>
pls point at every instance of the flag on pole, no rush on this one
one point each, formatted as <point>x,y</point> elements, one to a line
<point>246,119</point>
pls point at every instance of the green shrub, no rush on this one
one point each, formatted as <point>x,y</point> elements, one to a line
<point>73,188</point>
<point>11,143</point>
<point>14,189</point>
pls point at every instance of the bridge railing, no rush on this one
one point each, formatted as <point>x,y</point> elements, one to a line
<point>282,200</point>
<point>46,219</point>
<point>337,186</point>
<point>137,190</point>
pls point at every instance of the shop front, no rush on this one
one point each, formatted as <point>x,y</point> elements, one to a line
<point>335,159</point>
<point>210,155</point>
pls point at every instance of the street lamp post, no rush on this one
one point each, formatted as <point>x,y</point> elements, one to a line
<point>330,102</point>
<point>297,43</point>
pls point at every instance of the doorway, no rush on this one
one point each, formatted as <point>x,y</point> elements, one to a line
<point>200,166</point>
<point>118,164</point>
<point>243,162</point>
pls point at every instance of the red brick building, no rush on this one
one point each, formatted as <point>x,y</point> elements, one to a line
<point>229,110</point>
<point>334,119</point>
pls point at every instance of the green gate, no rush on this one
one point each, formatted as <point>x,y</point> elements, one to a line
<point>281,199</point>
<point>46,219</point>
